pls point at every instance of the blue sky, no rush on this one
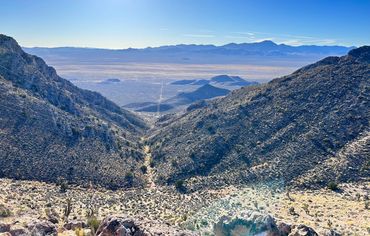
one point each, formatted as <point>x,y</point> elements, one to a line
<point>142,23</point>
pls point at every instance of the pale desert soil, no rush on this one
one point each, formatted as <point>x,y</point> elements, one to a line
<point>322,209</point>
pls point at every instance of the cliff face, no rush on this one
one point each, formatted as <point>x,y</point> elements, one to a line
<point>284,130</point>
<point>49,128</point>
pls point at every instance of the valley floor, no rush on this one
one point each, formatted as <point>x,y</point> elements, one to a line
<point>344,211</point>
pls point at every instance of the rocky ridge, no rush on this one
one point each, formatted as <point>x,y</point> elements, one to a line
<point>51,130</point>
<point>283,130</point>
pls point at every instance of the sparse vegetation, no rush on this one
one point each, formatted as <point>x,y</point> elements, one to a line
<point>129,179</point>
<point>63,184</point>
<point>333,186</point>
<point>93,224</point>
<point>67,209</point>
<point>79,232</point>
<point>180,186</point>
<point>4,211</point>
<point>306,208</point>
<point>144,169</point>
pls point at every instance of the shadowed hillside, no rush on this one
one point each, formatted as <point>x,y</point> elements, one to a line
<point>51,129</point>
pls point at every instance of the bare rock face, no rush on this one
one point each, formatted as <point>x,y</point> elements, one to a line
<point>117,225</point>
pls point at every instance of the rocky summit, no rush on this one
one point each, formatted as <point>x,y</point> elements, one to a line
<point>50,129</point>
<point>309,128</point>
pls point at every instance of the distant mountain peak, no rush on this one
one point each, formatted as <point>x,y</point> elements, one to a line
<point>361,53</point>
<point>268,42</point>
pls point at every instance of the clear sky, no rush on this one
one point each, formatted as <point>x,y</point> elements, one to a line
<point>142,23</point>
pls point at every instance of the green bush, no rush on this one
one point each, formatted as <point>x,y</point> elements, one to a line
<point>333,186</point>
<point>180,185</point>
<point>129,178</point>
<point>144,169</point>
<point>4,211</point>
<point>93,224</point>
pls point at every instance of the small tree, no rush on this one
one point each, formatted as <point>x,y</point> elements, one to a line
<point>333,186</point>
<point>63,184</point>
<point>180,185</point>
<point>129,178</point>
<point>144,169</point>
<point>93,224</point>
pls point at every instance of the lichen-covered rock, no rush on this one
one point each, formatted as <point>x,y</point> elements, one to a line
<point>302,230</point>
<point>4,227</point>
<point>249,223</point>
<point>126,226</point>
<point>42,228</point>
<point>74,224</point>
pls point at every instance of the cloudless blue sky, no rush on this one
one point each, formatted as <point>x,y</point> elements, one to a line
<point>141,23</point>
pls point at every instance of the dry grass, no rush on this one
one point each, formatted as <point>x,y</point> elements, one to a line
<point>321,209</point>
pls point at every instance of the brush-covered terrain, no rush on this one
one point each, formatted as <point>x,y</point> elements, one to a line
<point>50,129</point>
<point>308,128</point>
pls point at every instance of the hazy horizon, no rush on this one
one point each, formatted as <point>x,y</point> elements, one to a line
<point>180,44</point>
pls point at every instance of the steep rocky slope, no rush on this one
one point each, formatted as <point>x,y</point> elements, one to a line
<point>49,128</point>
<point>288,130</point>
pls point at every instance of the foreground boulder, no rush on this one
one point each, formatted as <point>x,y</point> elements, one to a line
<point>251,223</point>
<point>35,228</point>
<point>121,225</point>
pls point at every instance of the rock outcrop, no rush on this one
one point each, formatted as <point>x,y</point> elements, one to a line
<point>251,223</point>
<point>35,228</point>
<point>121,225</point>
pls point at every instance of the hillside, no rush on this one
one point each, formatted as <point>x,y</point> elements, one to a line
<point>223,80</point>
<point>206,91</point>
<point>50,129</point>
<point>291,130</point>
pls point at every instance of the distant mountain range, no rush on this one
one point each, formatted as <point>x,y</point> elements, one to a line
<point>51,129</point>
<point>229,53</point>
<point>305,129</point>
<point>206,91</point>
<point>224,80</point>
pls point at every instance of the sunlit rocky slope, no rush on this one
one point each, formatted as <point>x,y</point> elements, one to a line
<point>308,128</point>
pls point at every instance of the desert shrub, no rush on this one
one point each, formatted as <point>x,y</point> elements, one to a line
<point>180,185</point>
<point>79,232</point>
<point>174,163</point>
<point>93,224</point>
<point>63,184</point>
<point>306,208</point>
<point>292,211</point>
<point>129,178</point>
<point>333,186</point>
<point>151,164</point>
<point>4,211</point>
<point>144,169</point>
